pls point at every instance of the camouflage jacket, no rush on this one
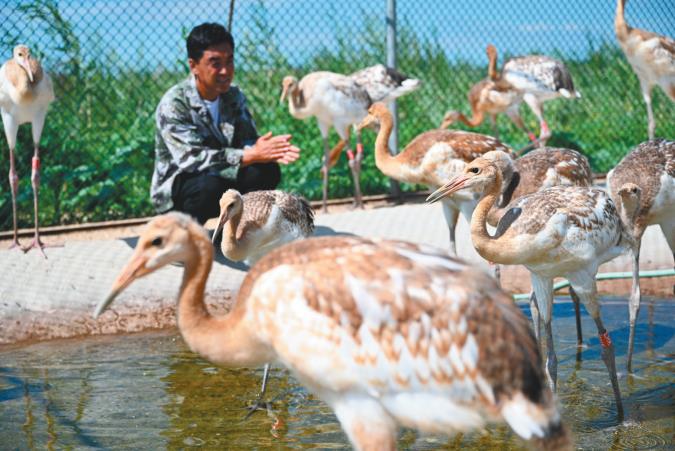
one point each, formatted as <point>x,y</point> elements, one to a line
<point>186,140</point>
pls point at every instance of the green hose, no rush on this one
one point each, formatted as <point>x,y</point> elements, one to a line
<point>606,276</point>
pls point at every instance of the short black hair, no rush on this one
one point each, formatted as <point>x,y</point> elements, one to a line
<point>206,35</point>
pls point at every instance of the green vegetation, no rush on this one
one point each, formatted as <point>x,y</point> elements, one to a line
<point>98,143</point>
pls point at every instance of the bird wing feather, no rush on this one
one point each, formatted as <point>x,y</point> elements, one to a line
<point>426,323</point>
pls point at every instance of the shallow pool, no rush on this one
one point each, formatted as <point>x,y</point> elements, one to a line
<point>147,391</point>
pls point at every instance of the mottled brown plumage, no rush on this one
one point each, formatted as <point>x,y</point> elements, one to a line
<point>259,221</point>
<point>336,101</point>
<point>563,231</point>
<point>539,79</point>
<point>431,158</point>
<point>490,96</point>
<point>384,84</point>
<point>387,333</point>
<point>652,58</point>
<point>645,177</point>
<point>540,169</point>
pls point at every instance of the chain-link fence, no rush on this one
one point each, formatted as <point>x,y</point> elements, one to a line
<point>111,61</point>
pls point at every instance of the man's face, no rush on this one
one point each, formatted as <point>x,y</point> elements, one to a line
<point>214,71</point>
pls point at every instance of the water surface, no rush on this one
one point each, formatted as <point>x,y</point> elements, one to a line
<point>148,391</point>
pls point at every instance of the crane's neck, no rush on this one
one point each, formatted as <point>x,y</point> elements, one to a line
<point>621,28</point>
<point>18,77</point>
<point>297,103</point>
<point>231,245</point>
<point>384,161</point>
<point>226,340</point>
<point>476,119</point>
<point>628,212</point>
<point>493,249</point>
<point>492,67</point>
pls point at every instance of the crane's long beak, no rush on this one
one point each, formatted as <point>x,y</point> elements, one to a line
<point>367,121</point>
<point>284,93</point>
<point>449,119</point>
<point>454,185</point>
<point>23,62</point>
<point>224,217</point>
<point>133,270</point>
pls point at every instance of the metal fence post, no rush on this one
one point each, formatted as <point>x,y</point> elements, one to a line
<point>394,187</point>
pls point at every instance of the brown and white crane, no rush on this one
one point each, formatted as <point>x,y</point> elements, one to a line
<point>537,170</point>
<point>341,101</point>
<point>336,101</point>
<point>386,333</point>
<point>254,224</point>
<point>563,231</point>
<point>490,96</point>
<point>538,78</point>
<point>645,179</point>
<point>25,94</point>
<point>652,57</point>
<point>431,158</point>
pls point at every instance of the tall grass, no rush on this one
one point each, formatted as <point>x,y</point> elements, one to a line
<point>98,142</point>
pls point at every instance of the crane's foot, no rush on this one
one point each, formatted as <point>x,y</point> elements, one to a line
<point>15,244</point>
<point>37,243</point>
<point>259,404</point>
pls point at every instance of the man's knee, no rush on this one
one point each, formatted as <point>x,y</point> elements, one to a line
<point>262,176</point>
<point>199,196</point>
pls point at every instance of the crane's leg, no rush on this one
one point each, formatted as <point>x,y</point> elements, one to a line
<point>493,122</point>
<point>11,129</point>
<point>538,110</point>
<point>260,403</point>
<point>451,214</point>
<point>543,291</point>
<point>325,170</point>
<point>513,114</point>
<point>355,167</point>
<point>647,95</point>
<point>577,316</point>
<point>37,124</point>
<point>633,306</point>
<point>585,287</point>
<point>368,426</point>
<point>536,320</point>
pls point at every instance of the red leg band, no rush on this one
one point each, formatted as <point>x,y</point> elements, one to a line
<point>359,148</point>
<point>36,163</point>
<point>605,341</point>
<point>350,154</point>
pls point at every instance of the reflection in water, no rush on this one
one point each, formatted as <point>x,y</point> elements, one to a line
<point>147,391</point>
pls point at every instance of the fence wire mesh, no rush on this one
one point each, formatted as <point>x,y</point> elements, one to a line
<point>111,61</point>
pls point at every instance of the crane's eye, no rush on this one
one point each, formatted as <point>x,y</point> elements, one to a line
<point>474,170</point>
<point>157,242</point>
<point>634,190</point>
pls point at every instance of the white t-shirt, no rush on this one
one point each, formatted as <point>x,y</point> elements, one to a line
<point>214,109</point>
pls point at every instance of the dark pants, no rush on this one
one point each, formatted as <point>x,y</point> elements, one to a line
<point>198,194</point>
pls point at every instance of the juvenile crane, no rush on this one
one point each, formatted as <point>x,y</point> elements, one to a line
<point>563,231</point>
<point>259,221</point>
<point>645,179</point>
<point>386,333</point>
<point>537,170</point>
<point>652,58</point>
<point>384,84</point>
<point>336,101</point>
<point>490,96</point>
<point>25,94</point>
<point>256,223</point>
<point>431,158</point>
<point>539,78</point>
